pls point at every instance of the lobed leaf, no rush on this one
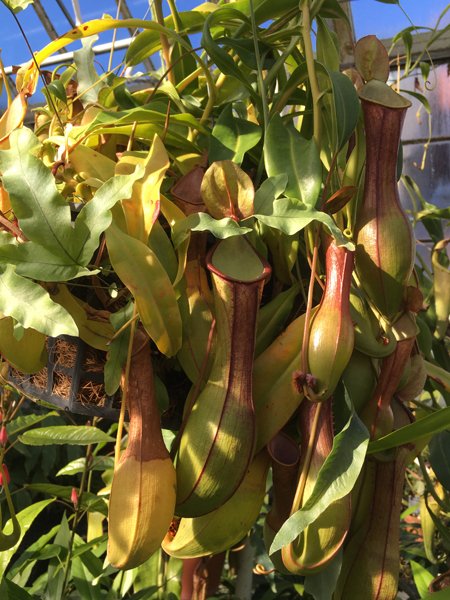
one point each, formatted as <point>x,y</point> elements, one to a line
<point>31,306</point>
<point>289,216</point>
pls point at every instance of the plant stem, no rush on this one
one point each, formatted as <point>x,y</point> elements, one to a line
<point>298,498</point>
<point>123,405</point>
<point>76,517</point>
<point>313,82</point>
<point>165,46</point>
<point>306,333</point>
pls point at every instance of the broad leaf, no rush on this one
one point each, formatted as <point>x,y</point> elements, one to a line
<point>232,137</point>
<point>142,208</point>
<point>89,163</point>
<point>24,421</point>
<point>289,216</point>
<point>221,57</point>
<point>118,349</point>
<point>28,354</point>
<point>80,435</point>
<point>439,457</point>
<point>95,216</point>
<point>140,270</point>
<point>346,105</point>
<point>10,591</point>
<point>25,518</point>
<point>89,501</point>
<point>336,479</point>
<point>31,305</point>
<point>415,432</point>
<point>92,329</point>
<point>43,214</point>
<point>98,463</point>
<point>56,250</point>
<point>286,151</point>
<point>272,317</point>
<point>322,585</point>
<point>422,578</point>
<point>327,46</point>
<point>220,228</point>
<point>268,191</point>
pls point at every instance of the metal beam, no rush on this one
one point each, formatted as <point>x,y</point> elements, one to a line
<point>68,56</point>
<point>65,12</point>
<point>43,18</point>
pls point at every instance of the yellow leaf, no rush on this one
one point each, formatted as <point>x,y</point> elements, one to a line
<point>94,331</point>
<point>29,354</point>
<point>173,214</point>
<point>12,118</point>
<point>140,270</point>
<point>142,209</point>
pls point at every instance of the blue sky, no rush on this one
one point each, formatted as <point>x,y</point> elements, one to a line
<point>370,16</point>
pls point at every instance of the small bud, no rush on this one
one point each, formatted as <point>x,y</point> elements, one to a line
<point>74,497</point>
<point>4,471</point>
<point>3,436</point>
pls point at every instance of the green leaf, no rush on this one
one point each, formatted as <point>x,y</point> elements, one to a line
<point>16,5</point>
<point>346,105</point>
<point>413,433</point>
<point>31,306</point>
<point>219,56</point>
<point>118,349</point>
<point>232,137</point>
<point>335,480</point>
<point>290,217</point>
<point>10,591</point>
<point>25,518</point>
<point>98,463</point>
<point>83,579</point>
<point>327,46</point>
<point>220,228</point>
<point>286,151</point>
<point>147,42</point>
<point>95,216</point>
<point>272,317</point>
<point>57,250</point>
<point>268,191</point>
<point>89,501</point>
<point>24,421</point>
<point>140,270</point>
<point>422,578</point>
<point>43,214</point>
<point>57,89</point>
<point>322,585</point>
<point>439,457</point>
<point>65,434</point>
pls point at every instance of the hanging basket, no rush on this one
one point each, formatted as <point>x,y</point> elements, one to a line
<point>72,380</point>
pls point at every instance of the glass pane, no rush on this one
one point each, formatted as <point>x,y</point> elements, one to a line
<point>385,20</point>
